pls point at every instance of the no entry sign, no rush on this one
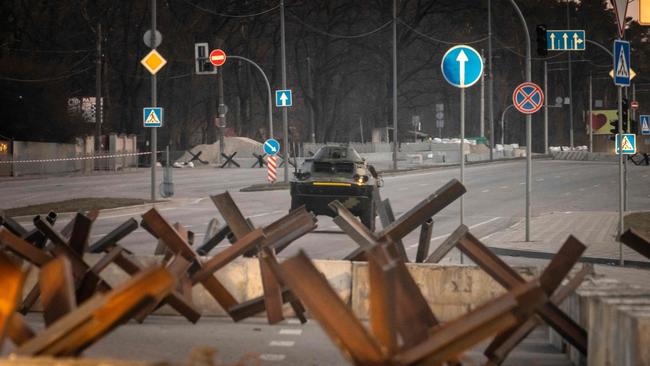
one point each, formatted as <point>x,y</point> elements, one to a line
<point>528,98</point>
<point>218,57</point>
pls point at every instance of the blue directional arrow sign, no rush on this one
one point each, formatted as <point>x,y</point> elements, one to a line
<point>283,98</point>
<point>271,146</point>
<point>621,63</point>
<point>152,117</point>
<point>627,142</point>
<point>462,66</point>
<point>644,120</point>
<point>565,40</point>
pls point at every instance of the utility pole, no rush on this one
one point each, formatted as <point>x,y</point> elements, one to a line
<point>545,107</point>
<point>568,26</point>
<point>490,81</point>
<point>591,113</point>
<point>311,107</point>
<point>285,125</point>
<point>361,128</point>
<point>529,119</point>
<point>98,92</point>
<point>154,103</point>
<point>482,113</point>
<point>394,84</point>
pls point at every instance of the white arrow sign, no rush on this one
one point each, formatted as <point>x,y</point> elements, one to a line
<point>283,99</point>
<point>271,146</point>
<point>462,58</point>
<point>576,41</point>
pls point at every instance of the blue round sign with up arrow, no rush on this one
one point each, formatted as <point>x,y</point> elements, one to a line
<point>271,146</point>
<point>462,66</point>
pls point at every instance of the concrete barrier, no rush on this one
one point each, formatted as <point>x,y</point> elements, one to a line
<point>617,318</point>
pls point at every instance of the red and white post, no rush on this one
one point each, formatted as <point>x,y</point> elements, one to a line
<point>271,172</point>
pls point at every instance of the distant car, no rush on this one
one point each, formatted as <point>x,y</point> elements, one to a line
<point>337,173</point>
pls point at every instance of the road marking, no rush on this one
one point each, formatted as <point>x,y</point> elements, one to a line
<point>567,193</point>
<point>295,321</point>
<point>504,187</point>
<point>446,235</point>
<point>272,357</point>
<point>267,213</point>
<point>540,179</point>
<point>522,183</point>
<point>596,185</point>
<point>423,184</point>
<point>581,189</point>
<point>134,214</point>
<point>288,331</point>
<point>403,189</point>
<point>645,176</point>
<point>485,191</point>
<point>282,343</point>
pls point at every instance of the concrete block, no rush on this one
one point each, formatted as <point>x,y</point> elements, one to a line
<point>634,345</point>
<point>450,290</point>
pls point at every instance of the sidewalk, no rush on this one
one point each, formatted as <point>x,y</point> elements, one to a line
<point>596,229</point>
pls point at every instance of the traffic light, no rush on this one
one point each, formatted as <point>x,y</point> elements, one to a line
<point>613,130</point>
<point>202,63</point>
<point>542,49</point>
<point>634,126</point>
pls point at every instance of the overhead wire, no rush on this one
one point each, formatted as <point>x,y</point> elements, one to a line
<point>225,15</point>
<point>507,48</point>
<point>436,39</point>
<point>56,78</point>
<point>45,51</point>
<point>334,35</point>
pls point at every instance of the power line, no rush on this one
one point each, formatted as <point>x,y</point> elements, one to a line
<point>344,36</point>
<point>436,39</point>
<point>231,15</point>
<point>507,48</point>
<point>45,51</point>
<point>56,78</point>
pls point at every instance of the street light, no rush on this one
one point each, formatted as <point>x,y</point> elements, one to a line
<point>503,126</point>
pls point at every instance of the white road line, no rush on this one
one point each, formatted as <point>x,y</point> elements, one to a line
<point>539,179</point>
<point>295,321</point>
<point>268,213</point>
<point>272,357</point>
<point>134,214</point>
<point>446,235</point>
<point>581,189</point>
<point>282,343</point>
<point>403,189</point>
<point>504,187</point>
<point>596,185</point>
<point>522,183</point>
<point>423,184</point>
<point>485,191</point>
<point>289,331</point>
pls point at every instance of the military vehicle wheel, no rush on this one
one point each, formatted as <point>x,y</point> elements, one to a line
<point>368,216</point>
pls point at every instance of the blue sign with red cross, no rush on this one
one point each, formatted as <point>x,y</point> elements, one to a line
<point>528,98</point>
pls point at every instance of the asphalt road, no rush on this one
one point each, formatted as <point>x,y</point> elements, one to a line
<point>495,198</point>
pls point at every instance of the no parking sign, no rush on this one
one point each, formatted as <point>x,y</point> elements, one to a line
<point>528,98</point>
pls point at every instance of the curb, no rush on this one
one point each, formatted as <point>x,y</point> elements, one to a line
<point>266,187</point>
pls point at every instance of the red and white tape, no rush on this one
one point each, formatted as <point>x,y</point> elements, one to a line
<point>271,163</point>
<point>72,159</point>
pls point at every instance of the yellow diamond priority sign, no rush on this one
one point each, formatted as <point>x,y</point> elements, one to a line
<point>153,62</point>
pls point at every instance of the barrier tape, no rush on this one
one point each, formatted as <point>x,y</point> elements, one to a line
<point>76,158</point>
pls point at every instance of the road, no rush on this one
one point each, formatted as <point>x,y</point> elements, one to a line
<point>495,198</point>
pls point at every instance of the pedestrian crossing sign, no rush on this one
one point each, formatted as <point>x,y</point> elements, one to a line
<point>152,116</point>
<point>627,143</point>
<point>645,124</point>
<point>622,73</point>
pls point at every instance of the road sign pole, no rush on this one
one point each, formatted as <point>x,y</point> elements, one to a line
<point>620,175</point>
<point>154,101</point>
<point>570,81</point>
<point>490,81</point>
<point>285,125</point>
<point>462,154</point>
<point>482,114</point>
<point>545,107</point>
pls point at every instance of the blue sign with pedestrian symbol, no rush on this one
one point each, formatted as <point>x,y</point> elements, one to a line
<point>271,146</point>
<point>462,66</point>
<point>627,143</point>
<point>152,116</point>
<point>565,40</point>
<point>644,120</point>
<point>283,98</point>
<point>621,63</point>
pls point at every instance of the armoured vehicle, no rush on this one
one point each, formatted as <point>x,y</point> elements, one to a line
<point>337,173</point>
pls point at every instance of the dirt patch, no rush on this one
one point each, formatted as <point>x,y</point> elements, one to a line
<point>639,221</point>
<point>74,205</point>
